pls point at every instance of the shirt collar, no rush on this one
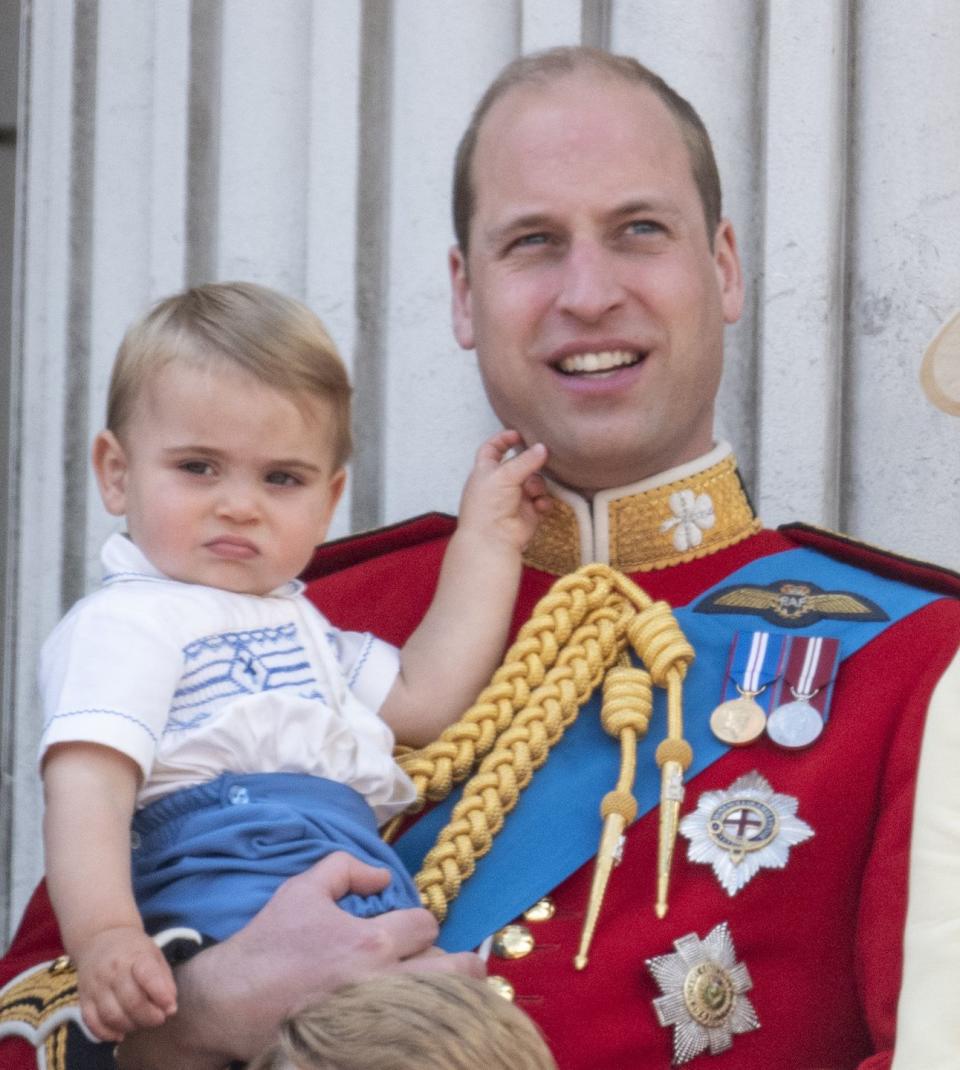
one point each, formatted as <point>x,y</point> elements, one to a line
<point>684,513</point>
<point>123,561</point>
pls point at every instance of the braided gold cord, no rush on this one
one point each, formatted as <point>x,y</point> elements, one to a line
<point>436,768</point>
<point>576,633</point>
<point>493,791</point>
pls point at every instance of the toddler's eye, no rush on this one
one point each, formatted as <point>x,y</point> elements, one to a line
<point>196,468</point>
<point>283,479</point>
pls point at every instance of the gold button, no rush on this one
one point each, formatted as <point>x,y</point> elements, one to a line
<point>61,964</point>
<point>542,910</point>
<point>513,942</point>
<point>501,986</point>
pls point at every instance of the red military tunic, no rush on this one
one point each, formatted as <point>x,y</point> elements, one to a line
<point>822,938</point>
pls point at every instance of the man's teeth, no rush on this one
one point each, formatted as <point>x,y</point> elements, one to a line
<point>597,362</point>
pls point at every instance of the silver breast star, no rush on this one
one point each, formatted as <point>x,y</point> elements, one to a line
<point>703,998</point>
<point>743,829</point>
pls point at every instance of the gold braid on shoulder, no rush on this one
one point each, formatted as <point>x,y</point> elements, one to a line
<point>578,631</point>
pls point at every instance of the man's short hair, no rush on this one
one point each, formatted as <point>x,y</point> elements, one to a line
<point>406,1021</point>
<point>542,68</point>
<point>277,340</point>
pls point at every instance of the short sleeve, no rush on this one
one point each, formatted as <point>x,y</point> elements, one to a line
<point>369,665</point>
<point>107,675</point>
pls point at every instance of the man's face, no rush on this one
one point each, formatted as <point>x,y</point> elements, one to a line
<point>591,292</point>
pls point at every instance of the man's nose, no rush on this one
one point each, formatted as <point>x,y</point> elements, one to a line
<point>590,285</point>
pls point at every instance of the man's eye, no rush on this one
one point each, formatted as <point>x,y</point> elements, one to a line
<point>283,479</point>
<point>196,468</point>
<point>644,226</point>
<point>527,241</point>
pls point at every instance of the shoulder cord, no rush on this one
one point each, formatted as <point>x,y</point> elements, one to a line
<point>578,631</point>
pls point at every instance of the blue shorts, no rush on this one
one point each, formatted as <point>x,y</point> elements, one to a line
<point>209,857</point>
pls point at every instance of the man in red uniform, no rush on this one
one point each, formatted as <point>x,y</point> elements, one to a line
<point>594,274</point>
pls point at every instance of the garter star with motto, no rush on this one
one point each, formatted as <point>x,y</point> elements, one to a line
<point>703,998</point>
<point>744,829</point>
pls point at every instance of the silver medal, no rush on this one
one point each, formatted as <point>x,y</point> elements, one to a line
<point>795,725</point>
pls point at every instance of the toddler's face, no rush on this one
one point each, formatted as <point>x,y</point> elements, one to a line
<point>223,480</point>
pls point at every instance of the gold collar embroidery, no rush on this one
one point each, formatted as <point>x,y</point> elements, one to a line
<point>689,517</point>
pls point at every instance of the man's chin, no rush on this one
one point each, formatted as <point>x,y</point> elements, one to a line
<point>604,464</point>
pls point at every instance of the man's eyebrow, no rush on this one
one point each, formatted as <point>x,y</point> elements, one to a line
<point>661,205</point>
<point>531,221</point>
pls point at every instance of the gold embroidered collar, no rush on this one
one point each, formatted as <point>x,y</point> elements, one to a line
<point>685,513</point>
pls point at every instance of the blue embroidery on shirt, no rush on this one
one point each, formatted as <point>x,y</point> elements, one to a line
<point>361,661</point>
<point>112,713</point>
<point>174,724</point>
<point>229,664</point>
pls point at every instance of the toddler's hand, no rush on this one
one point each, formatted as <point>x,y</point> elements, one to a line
<point>504,499</point>
<point>124,983</point>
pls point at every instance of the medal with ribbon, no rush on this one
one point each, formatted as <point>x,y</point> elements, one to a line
<point>804,693</point>
<point>755,663</point>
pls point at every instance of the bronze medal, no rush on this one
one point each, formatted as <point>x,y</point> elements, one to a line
<point>738,721</point>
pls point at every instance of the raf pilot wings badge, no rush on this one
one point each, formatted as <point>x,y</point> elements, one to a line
<point>792,604</point>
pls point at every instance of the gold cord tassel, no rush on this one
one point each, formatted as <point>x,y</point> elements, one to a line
<point>656,635</point>
<point>627,704</point>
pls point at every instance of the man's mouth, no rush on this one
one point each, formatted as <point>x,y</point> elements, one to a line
<point>598,364</point>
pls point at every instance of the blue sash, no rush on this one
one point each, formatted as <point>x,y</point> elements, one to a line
<point>555,826</point>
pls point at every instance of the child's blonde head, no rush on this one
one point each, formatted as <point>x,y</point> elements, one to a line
<point>277,340</point>
<point>405,1021</point>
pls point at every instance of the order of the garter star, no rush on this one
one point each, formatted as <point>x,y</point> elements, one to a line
<point>744,829</point>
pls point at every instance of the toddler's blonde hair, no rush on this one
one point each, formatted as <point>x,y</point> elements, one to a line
<point>276,339</point>
<point>406,1021</point>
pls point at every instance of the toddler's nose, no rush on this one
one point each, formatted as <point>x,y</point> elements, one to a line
<point>238,504</point>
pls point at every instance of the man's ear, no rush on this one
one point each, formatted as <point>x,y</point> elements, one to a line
<point>110,467</point>
<point>729,273</point>
<point>462,299</point>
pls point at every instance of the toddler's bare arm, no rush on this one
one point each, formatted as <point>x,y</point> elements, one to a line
<point>123,979</point>
<point>460,641</point>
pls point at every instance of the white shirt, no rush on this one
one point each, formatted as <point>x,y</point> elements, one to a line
<point>191,682</point>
